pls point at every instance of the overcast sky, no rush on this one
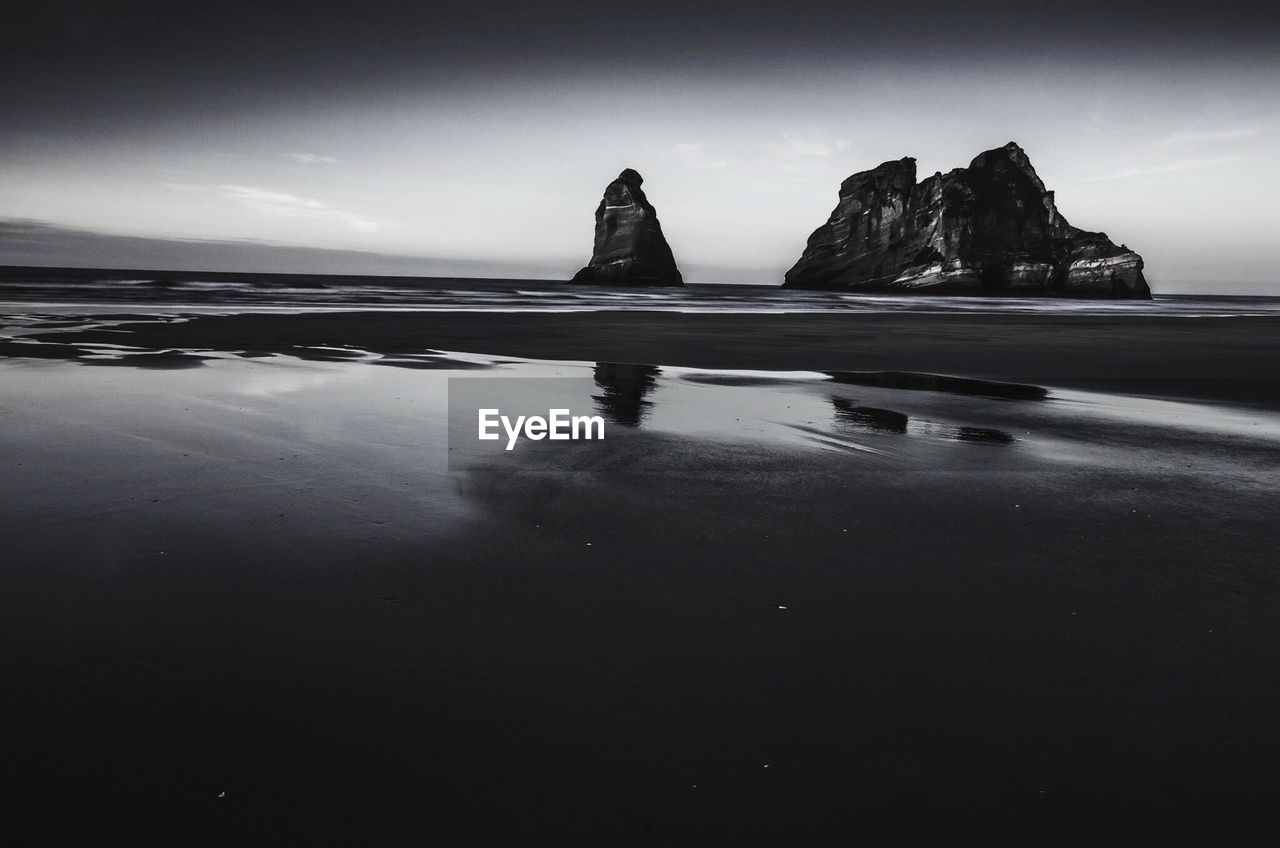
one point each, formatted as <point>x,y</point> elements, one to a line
<point>481,135</point>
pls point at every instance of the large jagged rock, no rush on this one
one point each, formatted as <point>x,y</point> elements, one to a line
<point>630,249</point>
<point>991,228</point>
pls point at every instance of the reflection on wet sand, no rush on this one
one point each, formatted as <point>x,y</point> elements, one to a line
<point>69,348</point>
<point>869,419</point>
<point>940,383</point>
<point>625,387</point>
<point>157,359</point>
<point>850,416</point>
<point>100,354</point>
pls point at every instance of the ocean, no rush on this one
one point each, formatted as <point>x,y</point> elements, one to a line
<point>256,292</point>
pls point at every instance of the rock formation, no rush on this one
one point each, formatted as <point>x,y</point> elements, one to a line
<point>991,228</point>
<point>630,249</point>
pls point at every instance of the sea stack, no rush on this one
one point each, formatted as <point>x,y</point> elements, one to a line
<point>630,249</point>
<point>989,229</point>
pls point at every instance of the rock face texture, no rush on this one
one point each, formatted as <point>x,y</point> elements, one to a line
<point>630,249</point>
<point>989,229</point>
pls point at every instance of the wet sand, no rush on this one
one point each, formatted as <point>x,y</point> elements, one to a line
<point>1233,359</point>
<point>257,600</point>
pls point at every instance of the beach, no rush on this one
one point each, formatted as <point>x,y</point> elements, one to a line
<point>882,578</point>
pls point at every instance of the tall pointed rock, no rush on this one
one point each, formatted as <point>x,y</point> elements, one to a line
<point>630,249</point>
<point>992,228</point>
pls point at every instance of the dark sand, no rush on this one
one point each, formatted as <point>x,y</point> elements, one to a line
<point>257,577</point>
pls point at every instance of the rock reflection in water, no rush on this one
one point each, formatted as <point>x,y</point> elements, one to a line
<point>982,434</point>
<point>849,415</point>
<point>870,419</point>
<point>625,387</point>
<point>911,381</point>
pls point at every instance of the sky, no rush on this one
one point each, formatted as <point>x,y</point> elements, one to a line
<point>476,139</point>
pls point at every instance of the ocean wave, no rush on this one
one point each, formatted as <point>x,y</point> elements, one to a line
<point>300,292</point>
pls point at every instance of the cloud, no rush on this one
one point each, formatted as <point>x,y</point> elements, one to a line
<point>43,243</point>
<point>696,156</point>
<point>802,168</point>
<point>1189,137</point>
<point>815,143</point>
<point>280,204</point>
<point>312,159</point>
<point>1172,168</point>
